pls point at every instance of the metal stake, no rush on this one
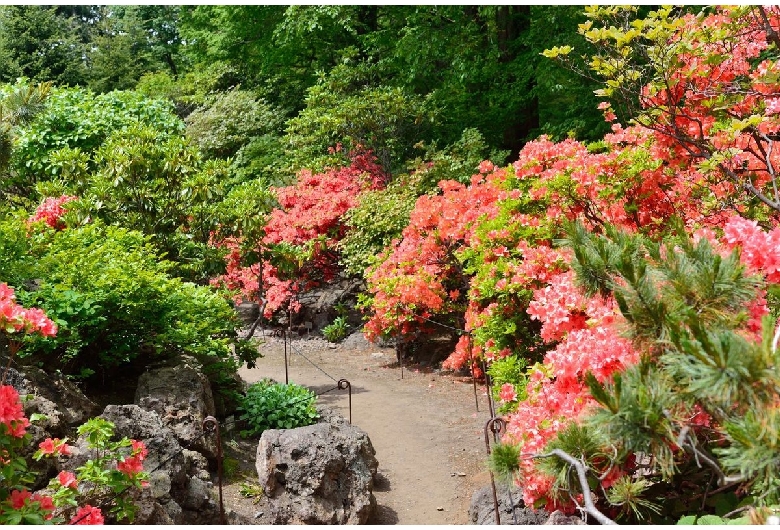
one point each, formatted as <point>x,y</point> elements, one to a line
<point>473,379</point>
<point>488,385</point>
<point>494,425</point>
<point>342,384</point>
<point>286,376</point>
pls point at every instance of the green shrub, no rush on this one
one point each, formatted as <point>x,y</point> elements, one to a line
<point>511,369</point>
<point>336,331</point>
<point>116,306</point>
<point>380,217</point>
<point>270,405</point>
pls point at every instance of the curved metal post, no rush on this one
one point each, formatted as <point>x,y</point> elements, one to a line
<point>286,376</point>
<point>493,425</point>
<point>342,384</point>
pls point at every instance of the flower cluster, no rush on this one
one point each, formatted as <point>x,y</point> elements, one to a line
<point>303,232</point>
<point>51,211</point>
<point>16,319</point>
<point>11,412</point>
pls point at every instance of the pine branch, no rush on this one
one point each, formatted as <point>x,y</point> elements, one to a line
<point>580,467</point>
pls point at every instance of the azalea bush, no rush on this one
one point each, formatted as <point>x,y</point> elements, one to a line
<point>112,469</point>
<point>108,478</point>
<point>299,249</point>
<point>646,338</point>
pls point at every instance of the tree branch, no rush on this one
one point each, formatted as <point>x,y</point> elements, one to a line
<point>580,467</point>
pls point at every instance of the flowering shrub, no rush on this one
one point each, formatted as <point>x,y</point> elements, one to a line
<point>17,504</point>
<point>51,211</point>
<point>301,236</point>
<point>106,478</point>
<point>624,329</point>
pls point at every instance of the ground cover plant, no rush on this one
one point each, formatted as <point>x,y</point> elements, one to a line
<point>270,405</point>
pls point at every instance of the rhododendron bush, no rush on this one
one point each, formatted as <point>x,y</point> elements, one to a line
<point>299,248</point>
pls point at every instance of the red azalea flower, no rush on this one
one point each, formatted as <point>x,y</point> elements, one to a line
<point>67,479</point>
<point>54,446</point>
<point>130,466</point>
<point>19,499</point>
<point>88,515</point>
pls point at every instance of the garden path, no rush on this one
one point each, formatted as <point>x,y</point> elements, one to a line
<point>428,436</point>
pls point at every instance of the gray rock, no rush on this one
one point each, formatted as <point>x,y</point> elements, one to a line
<point>165,452</point>
<point>318,305</point>
<point>358,341</point>
<point>174,511</point>
<point>560,518</point>
<point>181,395</point>
<point>196,495</point>
<point>512,509</point>
<point>248,312</point>
<point>196,465</point>
<point>62,402</point>
<point>160,485</point>
<point>320,474</point>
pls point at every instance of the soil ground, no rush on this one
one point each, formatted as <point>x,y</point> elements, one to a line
<point>425,427</point>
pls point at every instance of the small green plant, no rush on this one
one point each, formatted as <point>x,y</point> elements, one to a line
<point>503,461</point>
<point>250,491</point>
<point>269,405</point>
<point>336,331</point>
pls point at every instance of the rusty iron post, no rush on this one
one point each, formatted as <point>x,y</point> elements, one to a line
<point>473,377</point>
<point>493,425</point>
<point>210,424</point>
<point>488,386</point>
<point>342,384</point>
<point>286,376</point>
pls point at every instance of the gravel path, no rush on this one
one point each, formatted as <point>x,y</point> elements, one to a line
<point>428,436</point>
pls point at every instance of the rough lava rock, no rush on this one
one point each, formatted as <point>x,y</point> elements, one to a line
<point>181,395</point>
<point>510,498</point>
<point>247,312</point>
<point>318,305</point>
<point>320,474</point>
<point>560,518</point>
<point>61,401</point>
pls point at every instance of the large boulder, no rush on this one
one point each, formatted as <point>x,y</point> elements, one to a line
<point>318,305</point>
<point>59,400</point>
<point>320,474</point>
<point>165,462</point>
<point>181,395</point>
<point>511,508</point>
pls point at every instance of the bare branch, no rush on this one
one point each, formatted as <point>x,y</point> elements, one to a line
<point>684,441</point>
<point>771,34</point>
<point>580,467</point>
<point>769,167</point>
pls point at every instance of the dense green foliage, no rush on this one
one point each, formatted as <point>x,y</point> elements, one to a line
<point>114,302</point>
<point>336,330</point>
<point>269,405</point>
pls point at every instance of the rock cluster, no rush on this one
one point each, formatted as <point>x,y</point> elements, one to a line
<point>321,474</point>
<point>511,508</point>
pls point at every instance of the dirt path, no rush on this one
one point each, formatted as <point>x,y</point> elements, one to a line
<point>427,434</point>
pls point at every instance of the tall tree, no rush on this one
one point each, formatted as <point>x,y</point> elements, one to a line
<point>38,42</point>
